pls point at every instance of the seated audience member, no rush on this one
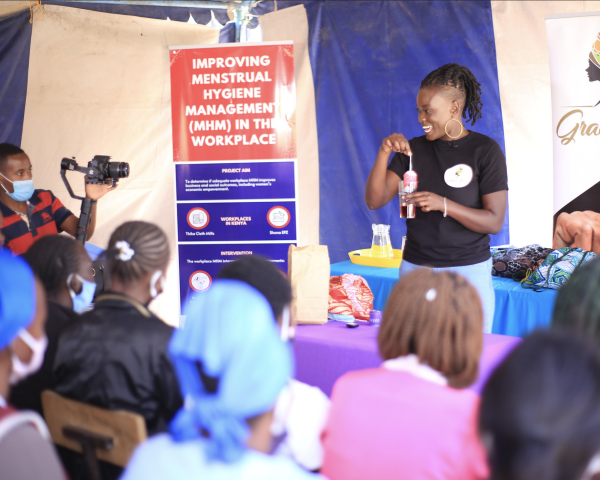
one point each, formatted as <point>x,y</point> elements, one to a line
<point>540,410</point>
<point>577,304</point>
<point>115,356</point>
<point>301,410</point>
<point>412,418</point>
<point>65,270</point>
<point>26,451</point>
<point>231,365</point>
<point>31,214</point>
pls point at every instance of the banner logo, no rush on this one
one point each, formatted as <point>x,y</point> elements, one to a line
<point>573,122</point>
<point>198,218</point>
<point>278,217</point>
<point>200,281</point>
<point>593,69</point>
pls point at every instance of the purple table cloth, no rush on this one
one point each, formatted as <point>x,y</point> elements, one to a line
<point>325,352</point>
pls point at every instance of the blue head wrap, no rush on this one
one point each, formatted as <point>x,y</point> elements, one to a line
<point>17,297</point>
<point>231,366</point>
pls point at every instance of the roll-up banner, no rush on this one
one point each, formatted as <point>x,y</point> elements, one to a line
<point>234,154</point>
<point>574,48</point>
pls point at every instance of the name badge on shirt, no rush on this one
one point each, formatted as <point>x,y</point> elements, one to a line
<point>458,176</point>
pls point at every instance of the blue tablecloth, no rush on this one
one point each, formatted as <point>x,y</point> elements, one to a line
<point>518,311</point>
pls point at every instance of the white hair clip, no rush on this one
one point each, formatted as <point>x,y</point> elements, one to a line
<point>431,294</point>
<point>125,250</point>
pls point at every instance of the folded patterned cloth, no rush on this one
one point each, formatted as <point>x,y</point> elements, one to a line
<point>350,294</point>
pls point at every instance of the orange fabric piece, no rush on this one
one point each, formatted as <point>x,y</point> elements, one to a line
<point>350,294</point>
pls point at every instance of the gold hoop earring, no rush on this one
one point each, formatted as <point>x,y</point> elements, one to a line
<point>446,127</point>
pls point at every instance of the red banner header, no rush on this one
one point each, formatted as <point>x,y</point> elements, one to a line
<point>233,103</point>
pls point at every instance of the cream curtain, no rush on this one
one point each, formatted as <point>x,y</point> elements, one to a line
<point>99,85</point>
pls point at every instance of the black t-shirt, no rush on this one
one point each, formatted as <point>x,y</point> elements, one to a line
<point>461,171</point>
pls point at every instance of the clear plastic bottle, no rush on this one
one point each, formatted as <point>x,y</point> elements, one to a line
<point>382,245</point>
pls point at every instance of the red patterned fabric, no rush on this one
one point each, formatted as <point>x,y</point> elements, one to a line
<point>350,294</point>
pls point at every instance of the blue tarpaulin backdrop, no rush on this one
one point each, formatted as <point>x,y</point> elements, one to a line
<point>368,60</point>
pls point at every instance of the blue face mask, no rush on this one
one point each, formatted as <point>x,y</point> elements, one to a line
<point>83,299</point>
<point>22,190</point>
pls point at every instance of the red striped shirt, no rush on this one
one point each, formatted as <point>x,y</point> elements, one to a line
<point>48,215</point>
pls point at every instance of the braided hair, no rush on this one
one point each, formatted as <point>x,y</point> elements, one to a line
<point>462,79</point>
<point>136,249</point>
<point>53,259</point>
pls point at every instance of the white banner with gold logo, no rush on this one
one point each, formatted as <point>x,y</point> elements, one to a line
<point>574,48</point>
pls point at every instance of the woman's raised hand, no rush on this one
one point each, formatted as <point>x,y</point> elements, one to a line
<point>396,142</point>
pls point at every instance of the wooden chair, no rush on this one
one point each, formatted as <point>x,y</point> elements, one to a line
<point>97,433</point>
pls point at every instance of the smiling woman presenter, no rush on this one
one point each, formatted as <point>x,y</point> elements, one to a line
<point>462,183</point>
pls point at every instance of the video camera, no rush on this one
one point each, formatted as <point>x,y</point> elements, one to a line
<point>100,171</point>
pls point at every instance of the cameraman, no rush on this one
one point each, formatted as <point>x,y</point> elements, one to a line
<point>32,214</point>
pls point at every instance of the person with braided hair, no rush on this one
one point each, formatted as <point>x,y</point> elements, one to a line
<point>116,356</point>
<point>463,183</point>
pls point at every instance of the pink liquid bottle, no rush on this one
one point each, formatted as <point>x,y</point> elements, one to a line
<point>410,186</point>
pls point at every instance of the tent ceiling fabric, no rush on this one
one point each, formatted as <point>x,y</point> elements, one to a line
<point>99,84</point>
<point>10,7</point>
<point>180,14</point>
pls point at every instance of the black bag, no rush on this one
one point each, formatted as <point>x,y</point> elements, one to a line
<point>516,262</point>
<point>100,275</point>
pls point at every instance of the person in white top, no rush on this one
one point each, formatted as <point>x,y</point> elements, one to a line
<point>231,365</point>
<point>301,410</point>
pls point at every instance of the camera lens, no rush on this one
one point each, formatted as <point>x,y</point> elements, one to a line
<point>118,170</point>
